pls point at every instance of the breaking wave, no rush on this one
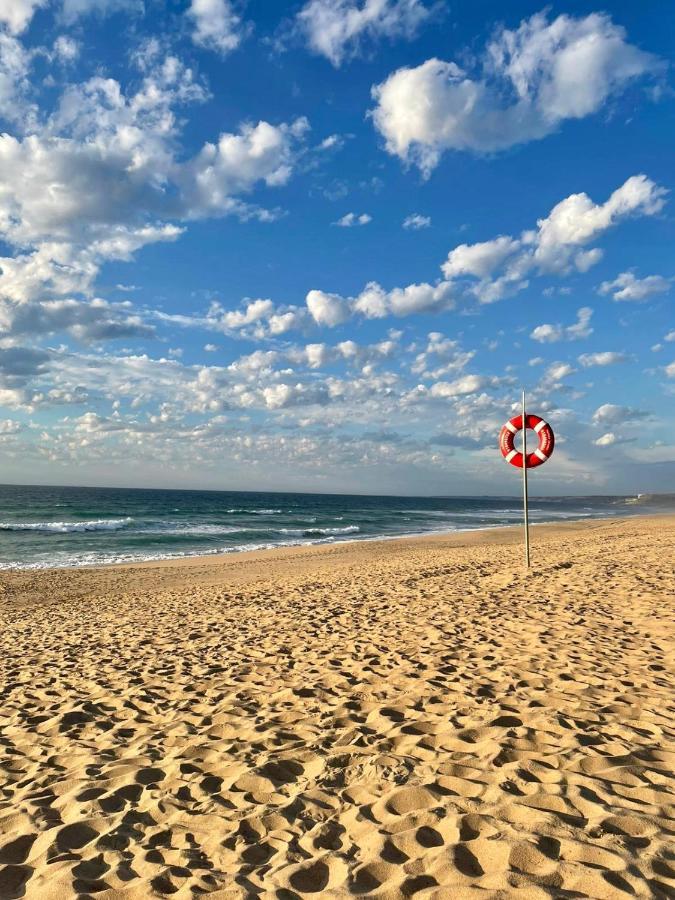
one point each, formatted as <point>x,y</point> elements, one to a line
<point>67,527</point>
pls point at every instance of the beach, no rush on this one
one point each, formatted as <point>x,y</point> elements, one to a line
<point>387,719</point>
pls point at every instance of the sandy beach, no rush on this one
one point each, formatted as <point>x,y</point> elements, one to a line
<point>415,717</point>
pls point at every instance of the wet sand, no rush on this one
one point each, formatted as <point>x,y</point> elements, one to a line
<point>415,717</point>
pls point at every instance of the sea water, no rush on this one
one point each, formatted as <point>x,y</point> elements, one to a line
<point>77,526</point>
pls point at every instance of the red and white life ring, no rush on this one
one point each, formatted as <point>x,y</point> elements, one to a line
<point>543,431</point>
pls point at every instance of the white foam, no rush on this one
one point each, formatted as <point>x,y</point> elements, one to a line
<point>67,527</point>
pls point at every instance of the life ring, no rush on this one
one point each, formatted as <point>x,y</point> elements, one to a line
<point>507,441</point>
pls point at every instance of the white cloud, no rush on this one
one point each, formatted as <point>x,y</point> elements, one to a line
<point>549,334</point>
<point>502,265</point>
<point>441,356</point>
<point>606,440</point>
<point>15,62</point>
<point>670,336</point>
<point>66,49</point>
<point>467,384</point>
<point>17,14</point>
<point>613,414</point>
<point>103,175</point>
<point>217,25</point>
<point>532,80</point>
<point>336,29</point>
<point>415,222</point>
<point>491,270</point>
<point>374,302</point>
<point>351,219</point>
<point>670,370</point>
<point>327,309</point>
<point>73,9</point>
<point>605,358</point>
<point>576,220</point>
<point>627,287</point>
<point>480,259</point>
<point>557,371</point>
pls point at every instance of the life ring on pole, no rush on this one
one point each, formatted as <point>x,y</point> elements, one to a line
<point>507,441</point>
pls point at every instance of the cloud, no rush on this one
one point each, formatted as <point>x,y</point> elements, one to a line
<point>351,219</point>
<point>612,414</point>
<point>467,384</point>
<point>89,321</point>
<point>15,63</point>
<point>415,222</point>
<point>217,25</point>
<point>670,370</point>
<point>502,266</point>
<point>531,81</point>
<point>74,9</point>
<point>17,14</point>
<point>606,440</point>
<point>337,29</point>
<point>556,372</point>
<point>606,358</point>
<point>627,287</point>
<point>21,362</point>
<point>492,270</point>
<point>481,259</point>
<point>104,176</point>
<point>441,356</point>
<point>549,334</point>
<point>66,49</point>
<point>327,309</point>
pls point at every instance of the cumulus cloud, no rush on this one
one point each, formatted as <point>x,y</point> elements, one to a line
<point>15,63</point>
<point>88,320</point>
<point>441,356</point>
<point>104,176</point>
<point>627,286</point>
<point>374,302</point>
<point>17,14</point>
<point>216,25</point>
<point>532,80</point>
<point>415,222</point>
<point>556,372</point>
<point>351,219</point>
<point>502,266</point>
<point>613,414</point>
<point>327,309</point>
<point>606,440</point>
<point>467,384</point>
<point>605,358</point>
<point>337,29</point>
<point>549,334</point>
<point>494,269</point>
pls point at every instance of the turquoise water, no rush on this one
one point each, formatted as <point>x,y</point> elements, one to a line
<point>66,526</point>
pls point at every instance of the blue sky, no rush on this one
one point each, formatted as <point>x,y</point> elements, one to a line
<point>322,245</point>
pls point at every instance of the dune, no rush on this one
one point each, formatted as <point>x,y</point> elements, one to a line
<point>417,717</point>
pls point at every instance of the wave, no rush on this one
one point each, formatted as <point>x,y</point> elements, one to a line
<point>308,532</point>
<point>68,527</point>
<point>171,529</point>
<point>253,512</point>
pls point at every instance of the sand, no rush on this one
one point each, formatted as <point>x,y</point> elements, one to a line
<point>390,719</point>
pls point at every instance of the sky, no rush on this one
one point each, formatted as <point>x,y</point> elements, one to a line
<point>323,245</point>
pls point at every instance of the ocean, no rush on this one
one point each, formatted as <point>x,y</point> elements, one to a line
<point>78,526</point>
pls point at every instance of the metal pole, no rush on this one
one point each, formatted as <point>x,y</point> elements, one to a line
<point>525,510</point>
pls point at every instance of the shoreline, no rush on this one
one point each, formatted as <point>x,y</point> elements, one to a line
<point>257,566</point>
<point>319,543</point>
